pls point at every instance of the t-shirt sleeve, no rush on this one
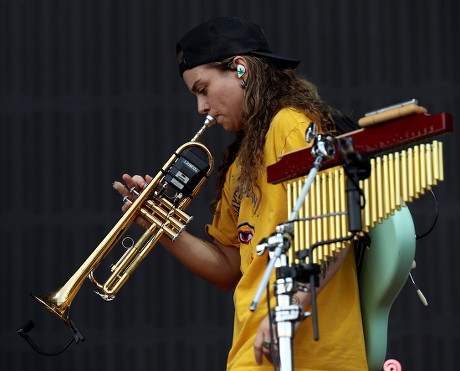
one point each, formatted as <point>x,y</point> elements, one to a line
<point>287,133</point>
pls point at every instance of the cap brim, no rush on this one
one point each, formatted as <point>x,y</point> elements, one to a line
<point>289,62</point>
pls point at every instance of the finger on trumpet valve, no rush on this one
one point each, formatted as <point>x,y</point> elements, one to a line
<point>127,200</point>
<point>134,191</point>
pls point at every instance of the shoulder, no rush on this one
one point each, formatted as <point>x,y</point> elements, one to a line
<point>287,130</point>
<point>289,118</point>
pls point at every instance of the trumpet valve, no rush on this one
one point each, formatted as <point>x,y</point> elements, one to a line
<point>134,192</point>
<point>127,200</point>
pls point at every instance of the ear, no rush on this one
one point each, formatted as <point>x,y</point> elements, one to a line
<point>240,65</point>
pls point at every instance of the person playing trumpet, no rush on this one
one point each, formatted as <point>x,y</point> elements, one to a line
<point>228,65</point>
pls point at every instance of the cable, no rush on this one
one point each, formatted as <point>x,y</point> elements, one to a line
<point>436,205</point>
<point>29,325</point>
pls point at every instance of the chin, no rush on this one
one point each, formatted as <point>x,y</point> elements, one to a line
<point>231,129</point>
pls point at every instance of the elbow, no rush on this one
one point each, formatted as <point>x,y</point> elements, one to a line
<point>225,287</point>
<point>229,284</point>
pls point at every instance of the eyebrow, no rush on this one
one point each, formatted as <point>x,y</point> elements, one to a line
<point>194,88</point>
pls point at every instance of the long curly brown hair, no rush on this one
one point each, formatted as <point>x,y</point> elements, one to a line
<point>269,89</point>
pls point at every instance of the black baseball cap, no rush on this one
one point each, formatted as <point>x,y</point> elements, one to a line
<point>223,37</point>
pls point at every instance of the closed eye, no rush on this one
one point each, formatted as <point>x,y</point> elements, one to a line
<point>196,89</point>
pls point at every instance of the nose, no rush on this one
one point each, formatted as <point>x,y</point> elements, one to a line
<point>203,106</point>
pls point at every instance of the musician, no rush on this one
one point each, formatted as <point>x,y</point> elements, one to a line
<point>228,65</point>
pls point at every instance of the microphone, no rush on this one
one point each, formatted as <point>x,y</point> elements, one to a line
<point>23,332</point>
<point>29,325</point>
<point>357,167</point>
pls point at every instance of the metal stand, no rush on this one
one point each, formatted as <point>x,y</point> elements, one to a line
<point>285,313</point>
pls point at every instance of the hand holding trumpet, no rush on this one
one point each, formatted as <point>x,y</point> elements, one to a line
<point>136,183</point>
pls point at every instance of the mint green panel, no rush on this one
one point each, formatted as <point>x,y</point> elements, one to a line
<point>385,269</point>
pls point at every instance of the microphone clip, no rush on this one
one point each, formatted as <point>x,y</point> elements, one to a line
<point>357,167</point>
<point>355,163</point>
<point>29,325</point>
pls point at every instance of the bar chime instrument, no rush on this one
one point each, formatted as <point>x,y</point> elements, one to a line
<point>395,180</point>
<point>162,203</point>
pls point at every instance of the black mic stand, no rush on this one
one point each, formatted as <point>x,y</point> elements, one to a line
<point>286,313</point>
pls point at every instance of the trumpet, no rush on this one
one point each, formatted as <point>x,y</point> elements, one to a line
<point>162,203</point>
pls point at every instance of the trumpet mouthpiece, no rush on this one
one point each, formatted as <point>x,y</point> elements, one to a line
<point>209,121</point>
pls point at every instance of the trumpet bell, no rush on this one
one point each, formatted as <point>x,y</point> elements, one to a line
<point>56,302</point>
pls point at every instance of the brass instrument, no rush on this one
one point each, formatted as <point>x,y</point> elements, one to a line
<point>162,203</point>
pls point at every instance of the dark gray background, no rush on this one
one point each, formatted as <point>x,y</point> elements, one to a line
<point>90,89</point>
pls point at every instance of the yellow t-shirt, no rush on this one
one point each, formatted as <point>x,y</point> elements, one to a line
<point>240,224</point>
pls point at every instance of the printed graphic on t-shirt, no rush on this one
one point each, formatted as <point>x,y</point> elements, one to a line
<point>245,233</point>
<point>236,202</point>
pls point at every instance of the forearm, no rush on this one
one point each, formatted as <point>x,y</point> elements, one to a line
<point>212,261</point>
<point>328,270</point>
<point>215,263</point>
